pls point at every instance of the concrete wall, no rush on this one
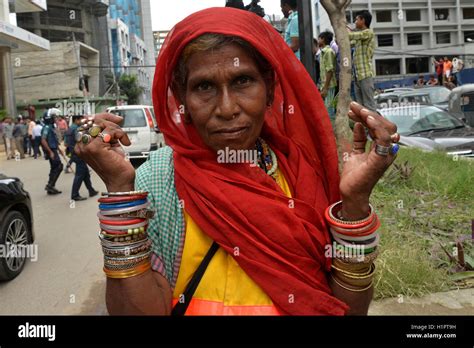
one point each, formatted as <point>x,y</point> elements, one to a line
<point>54,74</point>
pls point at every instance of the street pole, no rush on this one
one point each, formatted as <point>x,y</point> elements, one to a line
<point>81,74</point>
<point>305,19</point>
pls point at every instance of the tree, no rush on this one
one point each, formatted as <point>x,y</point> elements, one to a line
<point>336,10</point>
<point>129,86</point>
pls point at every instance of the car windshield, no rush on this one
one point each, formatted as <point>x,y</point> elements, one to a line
<point>439,95</point>
<point>417,119</point>
<point>132,117</point>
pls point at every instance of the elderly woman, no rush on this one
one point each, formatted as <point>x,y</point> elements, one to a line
<point>238,237</point>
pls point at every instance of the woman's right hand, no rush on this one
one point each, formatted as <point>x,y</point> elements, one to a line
<point>108,159</point>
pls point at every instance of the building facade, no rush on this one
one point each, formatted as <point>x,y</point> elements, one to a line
<point>62,23</point>
<point>410,33</point>
<point>132,47</point>
<point>14,39</point>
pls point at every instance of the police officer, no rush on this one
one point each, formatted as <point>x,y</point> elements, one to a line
<point>50,142</point>
<point>82,170</point>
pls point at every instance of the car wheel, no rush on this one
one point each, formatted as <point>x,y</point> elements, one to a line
<point>13,231</point>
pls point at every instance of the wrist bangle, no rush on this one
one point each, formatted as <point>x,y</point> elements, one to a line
<point>130,193</point>
<point>129,273</point>
<point>353,290</point>
<point>333,221</point>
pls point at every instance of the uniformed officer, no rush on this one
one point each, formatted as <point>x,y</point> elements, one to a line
<point>50,142</point>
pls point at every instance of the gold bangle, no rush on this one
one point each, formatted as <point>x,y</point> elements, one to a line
<point>128,273</point>
<point>356,275</point>
<point>351,267</point>
<point>353,290</point>
<point>366,259</point>
<point>353,283</point>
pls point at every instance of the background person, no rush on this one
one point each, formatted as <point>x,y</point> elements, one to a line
<point>363,41</point>
<point>50,142</point>
<point>292,34</point>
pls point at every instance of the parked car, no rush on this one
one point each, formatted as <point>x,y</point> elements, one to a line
<point>431,128</point>
<point>398,89</point>
<point>400,98</point>
<point>140,125</point>
<point>461,103</point>
<point>439,95</point>
<point>16,225</point>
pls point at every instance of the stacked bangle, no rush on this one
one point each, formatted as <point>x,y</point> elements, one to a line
<point>356,243</point>
<point>123,220</point>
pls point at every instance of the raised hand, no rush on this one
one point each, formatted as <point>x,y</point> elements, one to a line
<point>108,158</point>
<point>363,169</point>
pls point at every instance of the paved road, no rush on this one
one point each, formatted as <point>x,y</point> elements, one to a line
<point>67,278</point>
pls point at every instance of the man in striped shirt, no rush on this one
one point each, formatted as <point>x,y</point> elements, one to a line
<point>363,41</point>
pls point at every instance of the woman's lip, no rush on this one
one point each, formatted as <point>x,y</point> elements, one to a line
<point>231,132</point>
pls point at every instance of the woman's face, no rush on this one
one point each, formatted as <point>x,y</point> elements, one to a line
<point>226,98</point>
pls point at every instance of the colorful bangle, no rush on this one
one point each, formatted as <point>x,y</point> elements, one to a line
<point>353,290</point>
<point>103,206</point>
<point>370,270</point>
<point>122,222</point>
<point>130,193</point>
<point>358,231</point>
<point>121,199</point>
<point>128,274</point>
<point>334,221</point>
<point>368,246</point>
<point>123,228</point>
<point>125,210</point>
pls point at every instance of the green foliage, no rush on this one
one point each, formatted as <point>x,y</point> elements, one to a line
<point>425,203</point>
<point>129,86</point>
<point>3,114</point>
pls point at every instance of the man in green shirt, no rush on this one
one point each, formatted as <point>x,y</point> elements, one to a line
<point>364,42</point>
<point>327,65</point>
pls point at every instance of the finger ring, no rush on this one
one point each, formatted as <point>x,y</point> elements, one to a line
<point>79,137</point>
<point>382,150</point>
<point>394,149</point>
<point>86,139</point>
<point>94,131</point>
<point>395,137</point>
<point>106,138</point>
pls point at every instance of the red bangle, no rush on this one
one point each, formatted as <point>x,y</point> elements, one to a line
<point>119,199</point>
<point>368,232</point>
<point>116,233</point>
<point>333,221</point>
<point>122,222</point>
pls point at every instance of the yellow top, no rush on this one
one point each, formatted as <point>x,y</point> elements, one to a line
<point>224,288</point>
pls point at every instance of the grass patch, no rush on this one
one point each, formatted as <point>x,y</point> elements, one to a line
<point>421,215</point>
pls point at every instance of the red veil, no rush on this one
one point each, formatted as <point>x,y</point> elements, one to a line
<point>279,243</point>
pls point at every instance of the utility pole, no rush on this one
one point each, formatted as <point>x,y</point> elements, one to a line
<point>305,20</point>
<point>81,75</point>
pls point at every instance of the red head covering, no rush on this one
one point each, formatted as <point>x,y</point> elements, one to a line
<point>280,242</point>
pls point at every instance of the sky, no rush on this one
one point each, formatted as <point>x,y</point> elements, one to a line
<point>165,14</point>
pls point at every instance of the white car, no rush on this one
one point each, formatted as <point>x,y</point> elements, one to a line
<point>140,125</point>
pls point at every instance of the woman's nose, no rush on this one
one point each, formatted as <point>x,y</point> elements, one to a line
<point>227,105</point>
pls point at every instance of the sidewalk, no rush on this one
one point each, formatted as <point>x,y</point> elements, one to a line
<point>456,302</point>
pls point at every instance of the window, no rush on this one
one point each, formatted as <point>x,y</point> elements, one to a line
<point>385,40</point>
<point>387,67</point>
<point>415,39</point>
<point>468,13</point>
<point>468,35</point>
<point>384,16</point>
<point>441,14</point>
<point>413,15</point>
<point>417,65</point>
<point>443,38</point>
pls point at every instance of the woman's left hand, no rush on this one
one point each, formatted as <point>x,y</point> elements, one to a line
<point>363,169</point>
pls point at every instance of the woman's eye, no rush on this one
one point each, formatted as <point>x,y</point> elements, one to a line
<point>204,86</point>
<point>243,80</point>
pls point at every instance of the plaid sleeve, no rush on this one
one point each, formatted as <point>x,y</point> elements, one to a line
<point>166,229</point>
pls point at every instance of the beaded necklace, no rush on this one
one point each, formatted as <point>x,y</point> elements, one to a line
<point>267,159</point>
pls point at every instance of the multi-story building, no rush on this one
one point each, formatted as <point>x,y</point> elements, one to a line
<point>132,42</point>
<point>159,38</point>
<point>14,39</point>
<point>410,33</point>
<point>62,23</point>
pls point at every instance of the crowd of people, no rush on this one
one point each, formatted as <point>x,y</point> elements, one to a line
<point>44,138</point>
